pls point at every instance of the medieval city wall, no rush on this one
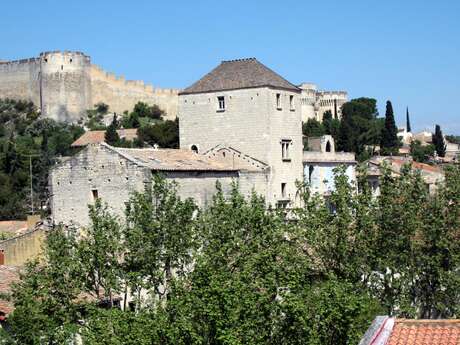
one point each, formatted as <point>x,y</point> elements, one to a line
<point>123,94</point>
<point>20,80</point>
<point>64,84</point>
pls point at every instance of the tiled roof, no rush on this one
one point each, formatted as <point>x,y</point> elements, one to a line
<point>8,275</point>
<point>239,74</point>
<point>425,332</point>
<point>13,226</point>
<point>390,331</point>
<point>95,137</point>
<point>172,159</point>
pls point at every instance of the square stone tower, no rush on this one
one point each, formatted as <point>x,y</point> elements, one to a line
<point>244,105</point>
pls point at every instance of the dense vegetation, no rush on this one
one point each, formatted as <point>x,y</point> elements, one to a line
<point>237,273</point>
<point>27,141</point>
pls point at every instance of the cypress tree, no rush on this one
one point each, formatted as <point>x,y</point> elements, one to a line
<point>438,142</point>
<point>408,127</point>
<point>111,135</point>
<point>389,142</point>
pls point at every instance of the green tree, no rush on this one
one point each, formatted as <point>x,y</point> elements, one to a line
<point>408,126</point>
<point>46,298</point>
<point>160,237</point>
<point>389,143</point>
<point>421,153</point>
<point>164,134</point>
<point>313,128</point>
<point>357,128</point>
<point>331,125</point>
<point>439,142</point>
<point>99,252</point>
<point>150,111</point>
<point>111,134</point>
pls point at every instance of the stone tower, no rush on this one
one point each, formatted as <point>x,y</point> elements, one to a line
<point>244,105</point>
<point>65,85</point>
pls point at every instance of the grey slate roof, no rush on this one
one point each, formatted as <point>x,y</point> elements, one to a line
<point>239,74</point>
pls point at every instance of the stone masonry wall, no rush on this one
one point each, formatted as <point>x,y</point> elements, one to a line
<point>97,168</point>
<point>252,124</point>
<point>22,248</point>
<point>122,95</point>
<point>20,80</point>
<point>64,84</point>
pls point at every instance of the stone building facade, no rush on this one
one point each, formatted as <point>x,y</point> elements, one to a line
<point>65,84</point>
<point>245,106</point>
<point>315,103</point>
<point>113,174</point>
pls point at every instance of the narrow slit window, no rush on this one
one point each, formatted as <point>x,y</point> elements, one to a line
<point>283,190</point>
<point>95,194</point>
<point>221,103</point>
<point>278,101</point>
<point>291,102</point>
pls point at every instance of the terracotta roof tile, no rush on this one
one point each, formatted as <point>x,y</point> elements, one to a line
<point>425,332</point>
<point>13,226</point>
<point>172,159</point>
<point>239,74</point>
<point>95,137</point>
<point>8,275</point>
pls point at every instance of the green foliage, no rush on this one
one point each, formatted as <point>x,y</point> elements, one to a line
<point>153,112</point>
<point>238,272</point>
<point>421,153</point>
<point>165,134</point>
<point>313,128</point>
<point>408,126</point>
<point>453,139</point>
<point>95,116</point>
<point>389,143</point>
<point>23,135</point>
<point>111,134</point>
<point>331,125</point>
<point>439,142</point>
<point>359,126</point>
<point>5,235</point>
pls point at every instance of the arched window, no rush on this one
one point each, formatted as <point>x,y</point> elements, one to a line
<point>194,148</point>
<point>328,146</point>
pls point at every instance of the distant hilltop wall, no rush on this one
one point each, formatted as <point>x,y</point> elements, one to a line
<point>65,84</point>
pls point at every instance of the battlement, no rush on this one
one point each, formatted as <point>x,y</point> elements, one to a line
<point>332,93</point>
<point>63,52</point>
<point>18,62</point>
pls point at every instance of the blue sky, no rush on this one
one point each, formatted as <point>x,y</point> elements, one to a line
<point>404,51</point>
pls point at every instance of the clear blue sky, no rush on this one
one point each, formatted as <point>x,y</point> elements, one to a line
<point>406,51</point>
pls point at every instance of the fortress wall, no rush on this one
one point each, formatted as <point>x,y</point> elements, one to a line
<point>65,83</point>
<point>20,80</point>
<point>122,95</point>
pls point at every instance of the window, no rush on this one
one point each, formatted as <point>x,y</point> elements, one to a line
<point>291,102</point>
<point>194,148</point>
<point>328,146</point>
<point>278,101</point>
<point>310,173</point>
<point>95,194</point>
<point>283,190</point>
<point>285,148</point>
<point>221,103</point>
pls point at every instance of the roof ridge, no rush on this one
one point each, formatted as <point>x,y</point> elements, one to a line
<point>238,60</point>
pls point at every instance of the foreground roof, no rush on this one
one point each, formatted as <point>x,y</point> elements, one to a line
<point>239,74</point>
<point>96,137</point>
<point>390,331</point>
<point>8,275</point>
<point>171,159</point>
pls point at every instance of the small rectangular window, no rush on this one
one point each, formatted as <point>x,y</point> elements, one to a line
<point>283,190</point>
<point>221,103</point>
<point>291,102</point>
<point>95,194</point>
<point>278,101</point>
<point>285,149</point>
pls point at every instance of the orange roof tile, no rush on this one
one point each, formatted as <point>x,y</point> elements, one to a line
<point>8,275</point>
<point>96,137</point>
<point>425,332</point>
